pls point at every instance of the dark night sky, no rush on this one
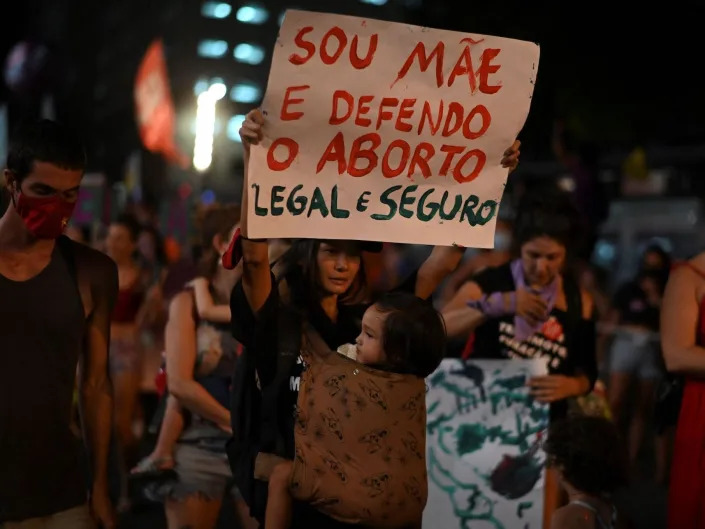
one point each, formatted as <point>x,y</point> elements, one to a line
<point>628,76</point>
<point>619,78</point>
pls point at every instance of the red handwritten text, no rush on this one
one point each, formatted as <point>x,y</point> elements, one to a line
<point>364,157</point>
<point>463,66</point>
<point>292,149</point>
<point>410,114</point>
<point>331,47</point>
<point>288,100</point>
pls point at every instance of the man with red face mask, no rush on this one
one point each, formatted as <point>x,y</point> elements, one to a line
<point>56,297</point>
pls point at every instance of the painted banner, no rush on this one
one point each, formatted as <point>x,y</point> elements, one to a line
<point>383,131</point>
<point>485,464</point>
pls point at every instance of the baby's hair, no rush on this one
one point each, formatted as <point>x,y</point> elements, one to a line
<point>414,339</point>
<point>589,453</point>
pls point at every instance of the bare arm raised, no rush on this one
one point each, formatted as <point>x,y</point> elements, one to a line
<point>256,277</point>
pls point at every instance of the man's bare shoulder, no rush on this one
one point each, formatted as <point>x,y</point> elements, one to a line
<point>87,255</point>
<point>100,269</point>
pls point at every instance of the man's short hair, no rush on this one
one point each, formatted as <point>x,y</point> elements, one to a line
<point>44,141</point>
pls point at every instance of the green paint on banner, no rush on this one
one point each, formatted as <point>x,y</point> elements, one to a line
<point>524,505</point>
<point>467,499</point>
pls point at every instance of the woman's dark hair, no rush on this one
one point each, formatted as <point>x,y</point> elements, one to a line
<point>546,212</point>
<point>159,251</point>
<point>44,141</point>
<point>214,220</point>
<point>129,222</point>
<point>590,454</point>
<point>414,336</point>
<point>659,275</point>
<point>658,250</point>
<point>303,275</point>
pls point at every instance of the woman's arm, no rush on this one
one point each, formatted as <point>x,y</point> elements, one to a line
<point>457,280</point>
<point>680,315</point>
<point>180,345</point>
<point>205,306</point>
<point>439,265</point>
<point>461,320</point>
<point>256,277</point>
<point>445,259</point>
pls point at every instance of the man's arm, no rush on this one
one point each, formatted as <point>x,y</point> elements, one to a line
<point>96,388</point>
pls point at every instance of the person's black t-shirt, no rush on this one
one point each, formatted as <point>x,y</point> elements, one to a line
<point>566,339</point>
<point>259,335</point>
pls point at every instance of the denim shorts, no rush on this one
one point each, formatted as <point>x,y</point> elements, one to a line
<point>637,354</point>
<point>202,472</point>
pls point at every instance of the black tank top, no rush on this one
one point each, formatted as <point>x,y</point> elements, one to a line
<point>42,464</point>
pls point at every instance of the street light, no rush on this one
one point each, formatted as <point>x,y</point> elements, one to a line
<point>205,125</point>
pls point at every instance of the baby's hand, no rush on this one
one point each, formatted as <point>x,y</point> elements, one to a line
<point>349,350</point>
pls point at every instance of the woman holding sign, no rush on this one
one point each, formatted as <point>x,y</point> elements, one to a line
<point>531,308</point>
<point>319,283</point>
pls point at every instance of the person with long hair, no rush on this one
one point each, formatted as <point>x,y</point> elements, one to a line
<point>200,357</point>
<point>125,347</point>
<point>322,283</point>
<point>635,351</point>
<point>531,307</point>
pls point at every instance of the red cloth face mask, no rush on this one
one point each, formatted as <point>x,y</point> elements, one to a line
<point>45,217</point>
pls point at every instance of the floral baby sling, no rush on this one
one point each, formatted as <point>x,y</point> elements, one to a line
<point>360,440</point>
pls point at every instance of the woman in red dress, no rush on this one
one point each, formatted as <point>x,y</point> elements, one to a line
<point>683,341</point>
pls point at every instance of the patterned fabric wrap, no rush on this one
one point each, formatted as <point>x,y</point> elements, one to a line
<point>360,440</point>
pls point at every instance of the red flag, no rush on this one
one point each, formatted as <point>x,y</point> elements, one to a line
<point>155,109</point>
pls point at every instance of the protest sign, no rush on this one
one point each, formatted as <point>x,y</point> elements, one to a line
<point>383,131</point>
<point>485,465</point>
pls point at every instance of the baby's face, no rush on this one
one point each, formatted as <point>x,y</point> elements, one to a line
<point>370,343</point>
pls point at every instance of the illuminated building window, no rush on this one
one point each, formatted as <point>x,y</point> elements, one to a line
<point>248,53</point>
<point>216,83</point>
<point>246,93</point>
<point>234,124</point>
<point>201,86</point>
<point>252,14</point>
<point>212,49</point>
<point>216,10</point>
